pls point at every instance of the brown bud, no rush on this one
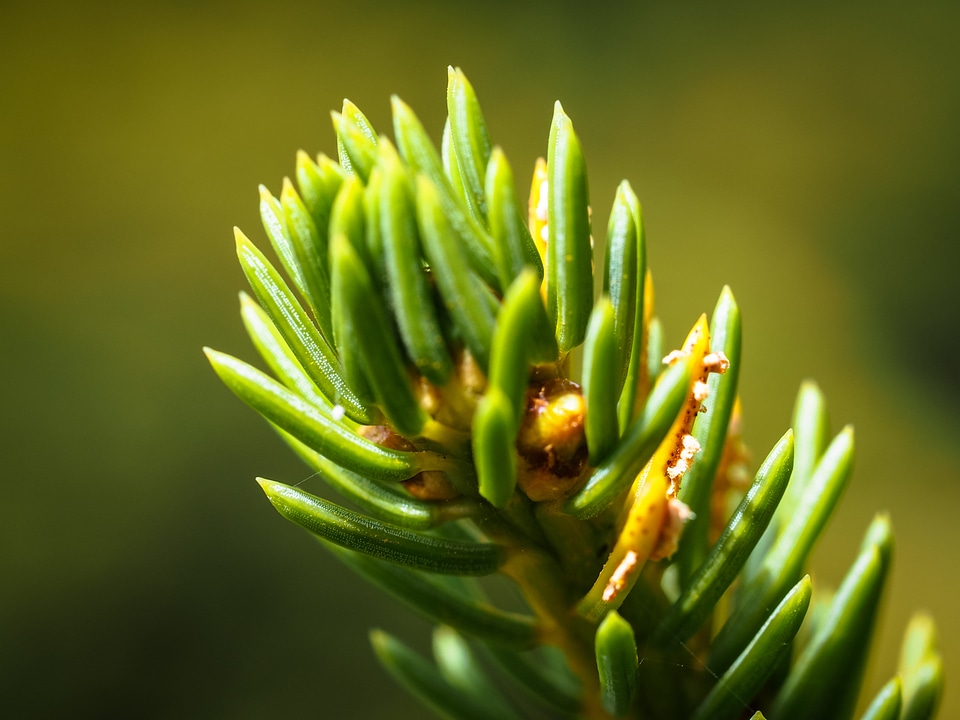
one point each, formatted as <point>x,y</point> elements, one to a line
<point>431,485</point>
<point>428,485</point>
<point>386,437</point>
<point>552,440</point>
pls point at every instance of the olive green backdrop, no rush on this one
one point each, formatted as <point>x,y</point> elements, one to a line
<point>808,157</point>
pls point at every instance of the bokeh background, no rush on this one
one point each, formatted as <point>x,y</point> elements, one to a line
<point>806,155</point>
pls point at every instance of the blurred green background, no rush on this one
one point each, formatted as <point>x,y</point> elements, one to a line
<point>807,156</point>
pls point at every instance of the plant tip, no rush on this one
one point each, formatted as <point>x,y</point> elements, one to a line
<point>241,239</point>
<point>418,327</point>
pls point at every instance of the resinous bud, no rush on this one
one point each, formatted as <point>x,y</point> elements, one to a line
<point>552,440</point>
